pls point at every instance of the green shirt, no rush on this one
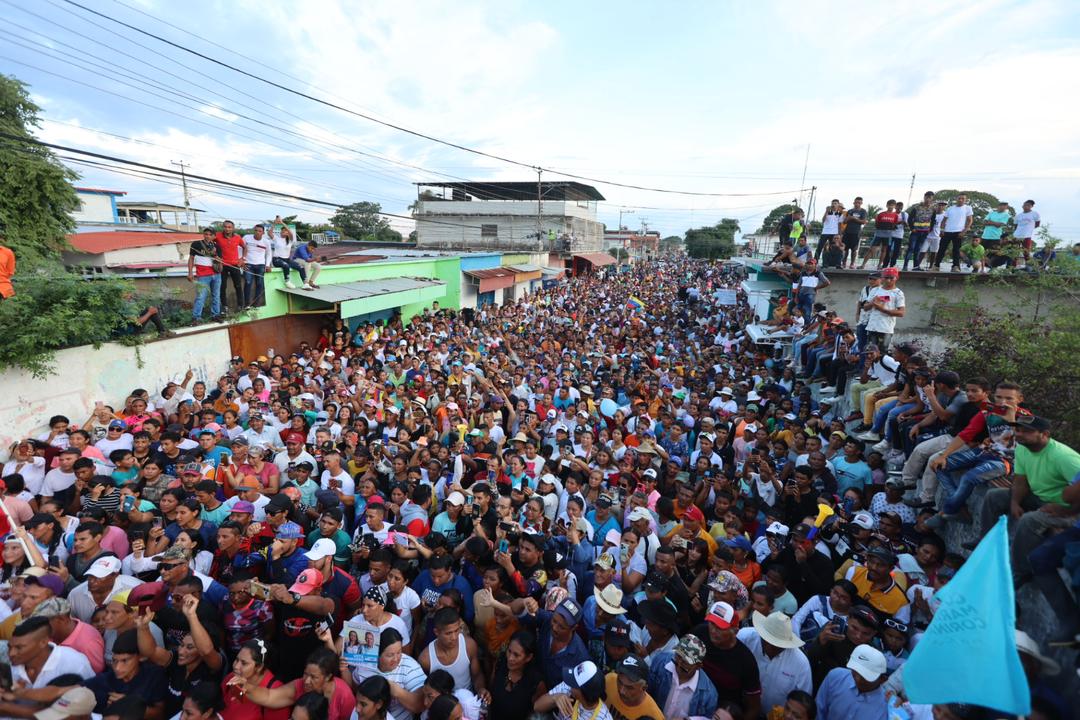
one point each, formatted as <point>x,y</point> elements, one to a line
<point>994,233</point>
<point>1048,471</point>
<point>973,251</point>
<point>343,556</point>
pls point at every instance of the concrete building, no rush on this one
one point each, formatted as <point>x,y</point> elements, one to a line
<point>554,216</point>
<point>638,246</point>
<point>97,206</point>
<point>126,251</point>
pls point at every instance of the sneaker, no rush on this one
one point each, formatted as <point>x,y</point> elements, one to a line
<point>307,286</point>
<point>289,284</point>
<point>830,390</point>
<point>869,436</point>
<point>860,428</point>
<point>882,446</point>
<point>955,269</point>
<point>916,269</point>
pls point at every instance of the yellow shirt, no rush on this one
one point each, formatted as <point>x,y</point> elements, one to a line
<point>888,601</point>
<point>709,539</point>
<point>620,710</point>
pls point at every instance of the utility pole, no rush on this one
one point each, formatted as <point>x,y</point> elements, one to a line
<point>910,189</point>
<point>187,198</point>
<point>539,209</point>
<point>806,163</point>
<point>621,213</point>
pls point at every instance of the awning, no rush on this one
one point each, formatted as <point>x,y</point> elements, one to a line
<point>552,273</point>
<point>365,296</point>
<point>492,278</point>
<point>596,259</point>
<point>525,272</point>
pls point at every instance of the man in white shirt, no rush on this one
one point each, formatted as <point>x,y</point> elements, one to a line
<point>782,666</point>
<point>1026,222</point>
<point>256,258</point>
<point>105,575</point>
<point>337,478</point>
<point>293,453</point>
<point>258,433</point>
<point>886,304</point>
<point>958,219</point>
<point>36,662</point>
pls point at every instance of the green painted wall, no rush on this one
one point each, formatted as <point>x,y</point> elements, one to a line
<point>515,259</point>
<point>447,270</point>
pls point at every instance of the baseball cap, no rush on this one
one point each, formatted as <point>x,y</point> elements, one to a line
<point>864,520</point>
<point>76,701</point>
<point>51,608</point>
<point>740,542</point>
<point>323,548</point>
<point>174,553</point>
<point>890,272</point>
<point>103,567</point>
<point>52,582</point>
<point>605,561</point>
<point>290,531</point>
<point>618,634</point>
<point>249,482</point>
<point>691,649</point>
<point>777,528</point>
<point>650,473</point>
<point>639,513</point>
<point>1032,422</point>
<point>583,675</point>
<point>243,506</point>
<point>294,437</point>
<point>455,498</point>
<point>569,610</point>
<point>632,668</point>
<point>884,554</point>
<point>117,424</point>
<point>722,615</point>
<point>865,660</point>
<point>307,581</point>
<point>605,501</point>
<point>694,513</point>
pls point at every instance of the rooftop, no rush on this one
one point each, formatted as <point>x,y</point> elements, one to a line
<point>164,207</point>
<point>96,243</point>
<point>506,190</point>
<point>100,191</point>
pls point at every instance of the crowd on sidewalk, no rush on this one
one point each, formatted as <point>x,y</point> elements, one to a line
<point>600,500</point>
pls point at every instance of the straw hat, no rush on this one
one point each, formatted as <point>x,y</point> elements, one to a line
<point>775,629</point>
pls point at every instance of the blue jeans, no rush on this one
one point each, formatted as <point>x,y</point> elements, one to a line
<point>890,418</point>
<point>978,467</point>
<point>207,284</point>
<point>254,290</point>
<point>806,304</point>
<point>915,246</point>
<point>285,264</point>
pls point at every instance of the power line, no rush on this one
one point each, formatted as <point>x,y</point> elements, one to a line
<point>431,138</point>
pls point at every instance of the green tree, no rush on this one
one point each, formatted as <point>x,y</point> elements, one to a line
<point>671,243</point>
<point>713,242</point>
<point>981,203</point>
<point>36,195</point>
<point>425,195</point>
<point>51,308</point>
<point>768,225</point>
<point>619,253</point>
<point>1033,339</point>
<point>360,220</point>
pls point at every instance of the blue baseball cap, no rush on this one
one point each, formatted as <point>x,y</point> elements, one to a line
<point>290,531</point>
<point>739,542</point>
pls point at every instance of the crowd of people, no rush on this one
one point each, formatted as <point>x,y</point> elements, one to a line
<point>934,230</point>
<point>571,505</point>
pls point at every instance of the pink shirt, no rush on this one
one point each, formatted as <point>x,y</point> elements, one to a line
<point>88,641</point>
<point>115,541</point>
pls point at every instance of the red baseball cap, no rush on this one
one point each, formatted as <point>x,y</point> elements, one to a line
<point>890,272</point>
<point>295,437</point>
<point>694,513</point>
<point>722,615</point>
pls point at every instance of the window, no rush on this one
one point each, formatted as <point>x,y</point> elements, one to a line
<point>490,232</point>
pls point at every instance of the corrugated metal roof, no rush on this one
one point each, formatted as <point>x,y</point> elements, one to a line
<point>597,259</point>
<point>489,273</point>
<point>96,243</point>
<point>525,268</point>
<point>344,292</point>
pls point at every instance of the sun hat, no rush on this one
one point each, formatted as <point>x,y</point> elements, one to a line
<point>609,599</point>
<point>775,629</point>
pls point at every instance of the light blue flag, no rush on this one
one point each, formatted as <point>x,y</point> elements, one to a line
<point>968,654</point>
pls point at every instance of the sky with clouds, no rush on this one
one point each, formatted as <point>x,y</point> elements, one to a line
<point>717,98</point>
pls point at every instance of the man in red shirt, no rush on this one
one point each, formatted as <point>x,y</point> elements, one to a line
<point>7,269</point>
<point>229,246</point>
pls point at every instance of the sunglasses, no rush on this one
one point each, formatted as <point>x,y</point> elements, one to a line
<point>170,566</point>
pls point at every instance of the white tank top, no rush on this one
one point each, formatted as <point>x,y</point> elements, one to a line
<point>459,669</point>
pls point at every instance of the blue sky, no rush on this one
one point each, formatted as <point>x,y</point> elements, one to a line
<point>706,97</point>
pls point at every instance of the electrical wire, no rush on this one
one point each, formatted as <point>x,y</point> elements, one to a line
<point>400,128</point>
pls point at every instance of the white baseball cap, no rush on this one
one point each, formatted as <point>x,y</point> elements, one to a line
<point>103,567</point>
<point>455,498</point>
<point>864,520</point>
<point>777,528</point>
<point>868,662</point>
<point>323,548</point>
<point>638,513</point>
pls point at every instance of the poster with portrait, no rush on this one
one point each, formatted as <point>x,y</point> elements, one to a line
<point>360,643</point>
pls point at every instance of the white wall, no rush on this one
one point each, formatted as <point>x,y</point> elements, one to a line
<point>95,208</point>
<point>108,374</point>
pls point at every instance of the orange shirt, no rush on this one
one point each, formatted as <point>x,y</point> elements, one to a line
<point>7,270</point>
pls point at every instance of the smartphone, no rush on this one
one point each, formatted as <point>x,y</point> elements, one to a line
<point>129,503</point>
<point>54,561</point>
<point>506,527</point>
<point>158,522</point>
<point>322,627</point>
<point>504,546</point>
<point>260,591</point>
<point>841,625</point>
<point>401,539</point>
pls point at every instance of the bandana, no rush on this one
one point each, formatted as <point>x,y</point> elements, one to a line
<point>376,594</point>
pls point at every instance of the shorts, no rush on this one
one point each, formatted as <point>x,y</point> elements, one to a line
<point>879,240</point>
<point>933,242</point>
<point>851,242</point>
<point>1028,243</point>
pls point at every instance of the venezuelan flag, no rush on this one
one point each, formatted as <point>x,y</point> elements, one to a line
<point>635,303</point>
